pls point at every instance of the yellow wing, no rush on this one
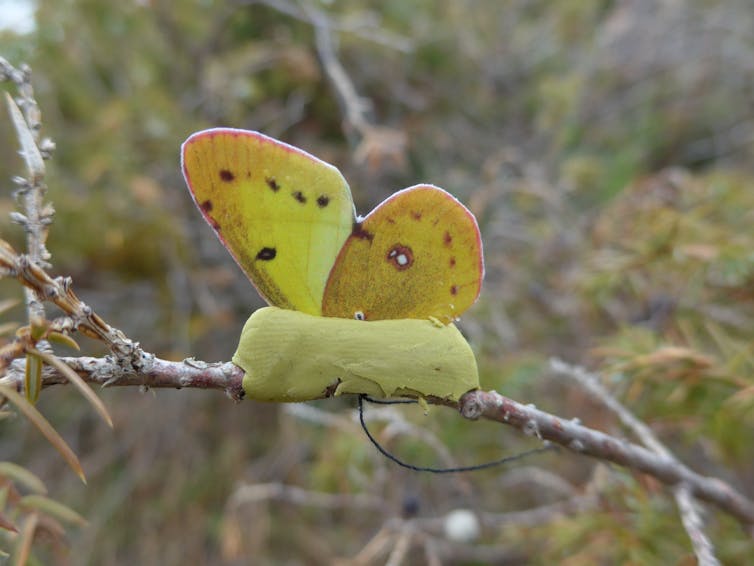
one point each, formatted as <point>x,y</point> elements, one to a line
<point>282,214</point>
<point>417,255</point>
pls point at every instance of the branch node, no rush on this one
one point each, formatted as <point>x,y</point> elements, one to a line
<point>46,147</point>
<point>20,219</point>
<point>531,428</point>
<point>470,407</point>
<point>65,283</point>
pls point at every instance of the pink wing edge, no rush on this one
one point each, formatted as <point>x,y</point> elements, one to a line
<point>237,132</point>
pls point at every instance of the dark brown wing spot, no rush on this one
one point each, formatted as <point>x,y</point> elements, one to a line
<point>323,201</point>
<point>454,289</point>
<point>452,262</point>
<point>416,214</point>
<point>206,206</point>
<point>266,254</point>
<point>226,175</point>
<point>401,257</point>
<point>447,239</point>
<point>272,183</point>
<point>390,220</point>
<point>359,232</point>
<point>299,196</point>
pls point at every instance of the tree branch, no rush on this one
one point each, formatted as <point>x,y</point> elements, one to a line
<point>687,505</point>
<point>374,143</point>
<point>490,405</point>
<point>582,440</point>
<point>159,373</point>
<point>80,316</point>
<point>37,215</point>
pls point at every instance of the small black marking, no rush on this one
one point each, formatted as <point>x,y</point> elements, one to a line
<point>358,232</point>
<point>332,388</point>
<point>452,262</point>
<point>447,239</point>
<point>227,175</point>
<point>359,315</point>
<point>272,183</point>
<point>266,254</point>
<point>323,201</point>
<point>299,196</point>
<point>206,206</point>
<point>454,289</point>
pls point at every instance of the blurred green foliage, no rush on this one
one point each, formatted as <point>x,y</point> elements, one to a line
<point>606,148</point>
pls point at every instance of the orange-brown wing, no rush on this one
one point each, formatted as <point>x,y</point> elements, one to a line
<point>417,255</point>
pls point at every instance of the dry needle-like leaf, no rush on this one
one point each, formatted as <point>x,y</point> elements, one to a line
<point>64,339</point>
<point>7,304</point>
<point>45,428</point>
<point>8,328</point>
<point>23,476</point>
<point>23,548</point>
<point>33,377</point>
<point>53,508</point>
<point>7,524</point>
<point>76,380</point>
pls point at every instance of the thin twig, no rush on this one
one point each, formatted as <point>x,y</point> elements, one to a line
<point>109,372</point>
<point>687,505</point>
<point>538,516</point>
<point>582,440</point>
<point>402,544</point>
<point>692,522</point>
<point>82,317</point>
<point>376,545</point>
<point>36,215</point>
<point>253,493</point>
<point>373,142</point>
<point>367,30</point>
<point>354,106</point>
<point>21,77</point>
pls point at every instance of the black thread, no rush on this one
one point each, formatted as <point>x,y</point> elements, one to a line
<point>390,401</point>
<point>430,469</point>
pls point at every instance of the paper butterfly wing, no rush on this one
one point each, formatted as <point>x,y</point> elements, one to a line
<point>417,255</point>
<point>283,214</point>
